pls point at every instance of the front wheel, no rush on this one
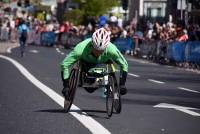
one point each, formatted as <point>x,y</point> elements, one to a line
<point>73,82</point>
<point>110,96</point>
<point>117,97</point>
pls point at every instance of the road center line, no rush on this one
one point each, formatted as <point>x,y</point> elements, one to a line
<point>88,122</point>
<point>187,110</point>
<point>156,81</point>
<point>58,50</point>
<point>34,51</point>
<point>186,89</point>
<point>135,75</point>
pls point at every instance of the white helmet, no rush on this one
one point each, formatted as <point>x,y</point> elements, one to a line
<point>101,39</point>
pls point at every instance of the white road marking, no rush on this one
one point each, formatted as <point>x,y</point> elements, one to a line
<point>34,51</point>
<point>135,75</point>
<point>9,50</point>
<point>179,108</point>
<point>169,66</point>
<point>186,89</point>
<point>156,81</point>
<point>141,61</point>
<point>88,122</point>
<point>58,50</point>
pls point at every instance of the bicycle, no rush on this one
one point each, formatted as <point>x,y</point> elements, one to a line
<point>96,78</point>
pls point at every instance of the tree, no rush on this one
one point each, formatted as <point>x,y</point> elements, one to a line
<point>35,2</point>
<point>75,16</point>
<point>96,7</point>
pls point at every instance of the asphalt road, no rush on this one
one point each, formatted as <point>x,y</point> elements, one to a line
<point>160,99</point>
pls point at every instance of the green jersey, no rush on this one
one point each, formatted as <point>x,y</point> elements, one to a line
<point>82,52</point>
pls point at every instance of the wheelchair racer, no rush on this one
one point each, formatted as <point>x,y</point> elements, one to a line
<point>95,50</point>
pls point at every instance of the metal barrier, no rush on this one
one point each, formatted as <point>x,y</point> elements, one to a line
<point>48,38</point>
<point>124,44</point>
<point>4,33</point>
<point>171,53</point>
<point>192,52</point>
<point>176,51</point>
<point>69,40</point>
<point>147,49</point>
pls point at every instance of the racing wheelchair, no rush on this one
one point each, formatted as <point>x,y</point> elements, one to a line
<point>102,76</point>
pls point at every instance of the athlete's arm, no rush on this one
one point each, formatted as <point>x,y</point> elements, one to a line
<point>72,57</point>
<point>117,57</point>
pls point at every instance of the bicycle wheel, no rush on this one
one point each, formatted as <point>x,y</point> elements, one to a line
<point>117,97</point>
<point>109,96</point>
<point>73,82</point>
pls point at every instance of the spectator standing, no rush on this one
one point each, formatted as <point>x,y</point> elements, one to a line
<point>12,31</point>
<point>184,36</point>
<point>102,21</point>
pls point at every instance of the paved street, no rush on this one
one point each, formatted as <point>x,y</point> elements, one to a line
<point>160,100</point>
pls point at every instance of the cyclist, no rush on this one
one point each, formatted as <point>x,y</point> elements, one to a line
<point>95,50</point>
<point>23,35</point>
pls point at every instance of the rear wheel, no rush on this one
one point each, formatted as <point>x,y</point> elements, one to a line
<point>73,82</point>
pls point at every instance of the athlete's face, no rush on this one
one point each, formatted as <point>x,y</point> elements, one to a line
<point>96,53</point>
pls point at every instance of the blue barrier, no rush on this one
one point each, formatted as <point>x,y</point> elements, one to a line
<point>176,51</point>
<point>124,44</point>
<point>48,38</point>
<point>192,52</point>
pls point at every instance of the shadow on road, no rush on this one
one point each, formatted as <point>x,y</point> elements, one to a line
<point>52,111</point>
<point>91,113</point>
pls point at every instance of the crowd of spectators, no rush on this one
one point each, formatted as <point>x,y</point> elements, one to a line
<point>148,32</point>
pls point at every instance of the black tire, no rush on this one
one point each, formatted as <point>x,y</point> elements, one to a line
<point>117,97</point>
<point>110,96</point>
<point>73,82</point>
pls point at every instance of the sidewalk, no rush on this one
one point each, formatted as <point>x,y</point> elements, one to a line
<point>4,45</point>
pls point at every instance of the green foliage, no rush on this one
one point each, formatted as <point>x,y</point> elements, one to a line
<point>35,2</point>
<point>96,7</point>
<point>40,16</point>
<point>5,1</point>
<point>43,8</point>
<point>90,8</point>
<point>75,16</point>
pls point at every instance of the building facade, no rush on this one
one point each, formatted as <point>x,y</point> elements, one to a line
<point>161,9</point>
<point>149,9</point>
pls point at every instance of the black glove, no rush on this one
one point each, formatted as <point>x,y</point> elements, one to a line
<point>123,76</point>
<point>65,90</point>
<point>122,87</point>
<point>65,81</point>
